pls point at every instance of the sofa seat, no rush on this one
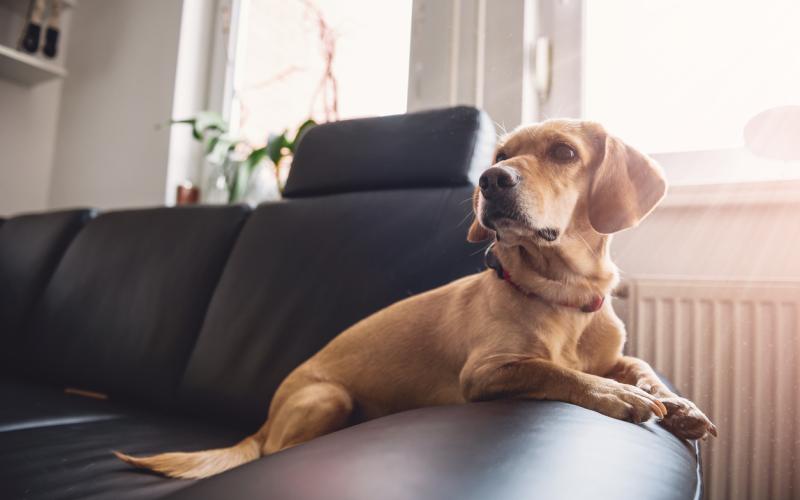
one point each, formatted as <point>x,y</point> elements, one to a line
<point>32,405</point>
<point>58,446</point>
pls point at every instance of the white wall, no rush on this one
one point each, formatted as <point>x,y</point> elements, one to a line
<point>736,231</point>
<point>28,117</point>
<point>112,146</point>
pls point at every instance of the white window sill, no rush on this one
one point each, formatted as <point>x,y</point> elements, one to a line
<point>780,192</point>
<point>728,177</point>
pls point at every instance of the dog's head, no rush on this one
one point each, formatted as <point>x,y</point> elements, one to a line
<point>560,176</point>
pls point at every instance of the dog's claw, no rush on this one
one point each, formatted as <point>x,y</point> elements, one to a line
<point>659,410</point>
<point>685,420</point>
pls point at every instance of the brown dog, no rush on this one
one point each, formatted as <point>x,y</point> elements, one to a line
<point>544,331</point>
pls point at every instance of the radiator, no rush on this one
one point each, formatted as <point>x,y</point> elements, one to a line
<point>732,347</point>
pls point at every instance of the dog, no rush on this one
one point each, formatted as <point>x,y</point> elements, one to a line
<point>537,324</point>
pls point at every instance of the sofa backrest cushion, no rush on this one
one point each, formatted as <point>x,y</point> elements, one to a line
<point>30,248</point>
<point>439,148</point>
<point>304,270</point>
<point>126,302</point>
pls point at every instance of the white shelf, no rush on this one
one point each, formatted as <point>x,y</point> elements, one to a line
<point>26,69</point>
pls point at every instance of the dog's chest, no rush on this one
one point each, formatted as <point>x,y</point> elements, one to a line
<point>556,337</point>
<point>577,341</point>
<point>600,344</point>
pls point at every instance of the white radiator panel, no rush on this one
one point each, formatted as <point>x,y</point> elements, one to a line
<point>733,347</point>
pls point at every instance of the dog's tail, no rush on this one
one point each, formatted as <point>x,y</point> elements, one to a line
<point>199,464</point>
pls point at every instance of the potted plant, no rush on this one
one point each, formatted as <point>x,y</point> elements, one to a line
<point>234,161</point>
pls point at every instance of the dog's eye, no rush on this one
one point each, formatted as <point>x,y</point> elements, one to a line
<point>500,157</point>
<point>563,153</point>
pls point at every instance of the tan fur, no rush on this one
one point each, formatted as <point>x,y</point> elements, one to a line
<point>480,338</point>
<point>198,465</point>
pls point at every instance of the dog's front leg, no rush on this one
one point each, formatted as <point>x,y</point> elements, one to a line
<point>684,418</point>
<point>516,376</point>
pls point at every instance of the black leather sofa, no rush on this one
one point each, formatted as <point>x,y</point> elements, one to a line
<point>181,322</point>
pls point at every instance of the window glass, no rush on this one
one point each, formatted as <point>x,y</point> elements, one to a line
<point>687,75</point>
<point>282,73</point>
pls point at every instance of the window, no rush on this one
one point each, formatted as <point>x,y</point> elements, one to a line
<point>282,74</point>
<point>685,76</point>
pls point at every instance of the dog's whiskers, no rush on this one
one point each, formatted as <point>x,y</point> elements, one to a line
<point>587,244</point>
<point>465,219</point>
<point>501,127</point>
<point>480,250</point>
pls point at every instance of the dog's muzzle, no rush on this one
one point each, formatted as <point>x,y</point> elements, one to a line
<point>498,182</point>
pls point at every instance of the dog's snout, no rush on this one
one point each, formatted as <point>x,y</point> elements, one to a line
<point>496,180</point>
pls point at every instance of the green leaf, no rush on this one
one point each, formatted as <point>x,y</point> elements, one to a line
<point>222,147</point>
<point>189,121</point>
<point>256,157</point>
<point>211,144</point>
<point>204,122</point>
<point>209,120</point>
<point>240,181</point>
<point>186,120</point>
<point>274,146</point>
<point>305,127</point>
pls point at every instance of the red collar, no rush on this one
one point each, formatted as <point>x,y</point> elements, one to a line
<point>493,262</point>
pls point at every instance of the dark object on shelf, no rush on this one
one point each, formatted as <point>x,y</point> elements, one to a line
<point>30,41</point>
<point>188,318</point>
<point>32,31</point>
<point>50,48</point>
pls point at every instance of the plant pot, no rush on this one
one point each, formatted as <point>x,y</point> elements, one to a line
<point>261,186</point>
<point>218,181</point>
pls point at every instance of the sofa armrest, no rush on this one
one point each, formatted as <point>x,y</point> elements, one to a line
<point>498,450</point>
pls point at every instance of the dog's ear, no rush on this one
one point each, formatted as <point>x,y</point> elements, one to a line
<point>477,233</point>
<point>626,186</point>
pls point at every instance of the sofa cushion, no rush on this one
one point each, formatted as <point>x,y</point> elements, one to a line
<point>440,148</point>
<point>28,405</point>
<point>72,459</point>
<point>123,309</point>
<point>30,247</point>
<point>304,270</point>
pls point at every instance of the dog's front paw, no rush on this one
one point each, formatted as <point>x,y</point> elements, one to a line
<point>685,420</point>
<point>626,402</point>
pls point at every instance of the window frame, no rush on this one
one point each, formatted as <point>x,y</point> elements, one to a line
<point>483,53</point>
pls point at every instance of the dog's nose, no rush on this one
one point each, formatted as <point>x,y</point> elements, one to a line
<point>496,181</point>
